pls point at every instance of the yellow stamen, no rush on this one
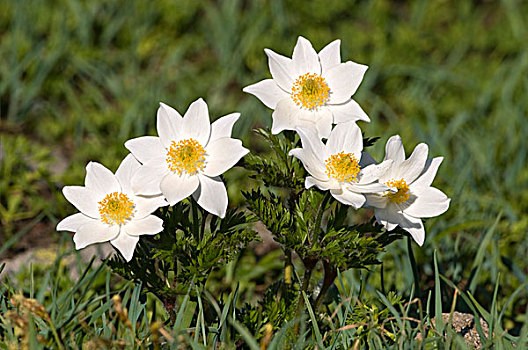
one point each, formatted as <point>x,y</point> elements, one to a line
<point>186,156</point>
<point>310,91</point>
<point>116,208</point>
<point>343,167</point>
<point>403,193</point>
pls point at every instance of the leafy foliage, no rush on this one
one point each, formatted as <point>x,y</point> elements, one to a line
<point>278,305</point>
<point>276,168</point>
<point>192,244</point>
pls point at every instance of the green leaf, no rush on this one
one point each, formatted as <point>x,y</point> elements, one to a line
<point>248,338</point>
<point>438,298</point>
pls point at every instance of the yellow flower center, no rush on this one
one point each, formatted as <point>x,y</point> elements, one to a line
<point>310,91</point>
<point>186,156</point>
<point>403,193</point>
<point>343,167</point>
<point>116,208</point>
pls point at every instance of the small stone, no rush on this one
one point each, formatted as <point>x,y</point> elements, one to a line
<point>464,325</point>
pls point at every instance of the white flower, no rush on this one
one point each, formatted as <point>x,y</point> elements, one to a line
<point>109,209</point>
<point>188,157</point>
<point>339,165</point>
<point>412,197</point>
<point>310,90</point>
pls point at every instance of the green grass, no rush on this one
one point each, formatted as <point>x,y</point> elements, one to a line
<point>78,78</point>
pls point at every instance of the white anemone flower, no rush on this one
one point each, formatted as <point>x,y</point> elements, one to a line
<point>338,165</point>
<point>109,209</point>
<point>412,196</point>
<point>188,157</point>
<point>311,90</point>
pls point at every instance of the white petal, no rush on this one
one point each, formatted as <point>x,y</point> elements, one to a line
<point>124,173</point>
<point>394,150</point>
<point>289,116</point>
<point>312,155</point>
<point>374,172</point>
<point>415,227</point>
<point>331,184</point>
<point>412,167</point>
<point>149,225</point>
<point>101,180</point>
<point>304,58</point>
<point>389,216</point>
<point>223,154</point>
<point>376,201</point>
<point>343,80</point>
<point>126,245</point>
<point>84,199</point>
<point>312,143</point>
<point>280,69</point>
<point>175,187</point>
<point>223,126</point>
<point>267,91</point>
<point>146,205</point>
<point>212,195</point>
<point>345,137</point>
<point>330,55</point>
<point>403,206</point>
<point>429,202</point>
<point>318,119</point>
<point>348,111</point>
<point>323,122</point>
<point>429,173</point>
<point>311,163</point>
<point>309,116</point>
<point>196,123</point>
<point>146,180</point>
<point>374,187</point>
<point>168,124</point>
<point>145,148</point>
<point>284,117</point>
<point>349,198</point>
<point>73,222</point>
<point>94,232</point>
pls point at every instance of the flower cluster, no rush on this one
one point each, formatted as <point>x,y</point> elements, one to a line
<point>186,159</point>
<point>310,92</point>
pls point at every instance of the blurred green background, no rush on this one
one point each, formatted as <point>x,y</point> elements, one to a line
<point>79,78</point>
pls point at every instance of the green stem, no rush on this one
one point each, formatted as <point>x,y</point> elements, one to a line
<point>319,218</point>
<point>306,279</point>
<point>330,273</point>
<point>414,267</point>
<point>382,281</point>
<point>288,266</point>
<point>194,207</point>
<point>309,265</point>
<point>202,228</point>
<point>55,334</point>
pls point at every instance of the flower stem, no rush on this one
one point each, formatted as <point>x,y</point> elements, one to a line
<point>204,219</point>
<point>195,223</point>
<point>330,273</point>
<point>414,267</point>
<point>309,265</point>
<point>382,280</point>
<point>319,218</point>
